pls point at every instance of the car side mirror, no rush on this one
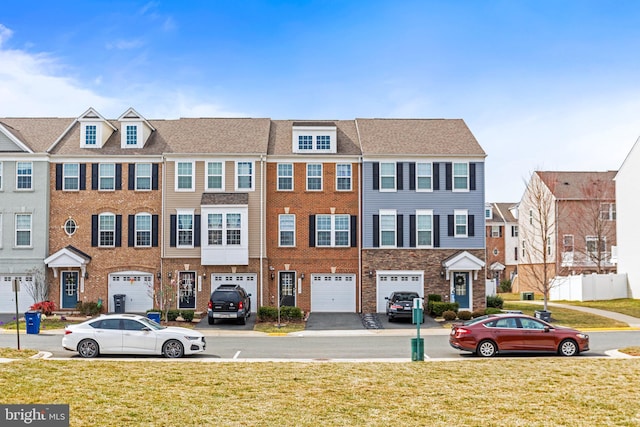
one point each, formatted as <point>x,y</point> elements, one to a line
<point>248,295</point>
<point>546,329</point>
<point>386,298</point>
<point>146,329</point>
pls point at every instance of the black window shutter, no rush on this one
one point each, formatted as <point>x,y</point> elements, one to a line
<point>436,231</point>
<point>450,221</point>
<point>412,231</point>
<point>399,230</point>
<point>412,176</point>
<point>471,226</point>
<point>399,176</point>
<point>376,231</point>
<point>436,176</point>
<point>118,231</point>
<point>515,253</point>
<point>118,176</point>
<point>196,231</point>
<point>132,177</point>
<point>376,175</point>
<point>83,176</point>
<point>173,233</point>
<point>94,176</point>
<point>354,231</point>
<point>154,230</point>
<point>59,176</point>
<point>500,229</point>
<point>94,230</point>
<point>154,176</point>
<point>472,176</point>
<point>132,231</point>
<point>312,231</point>
<point>448,176</point>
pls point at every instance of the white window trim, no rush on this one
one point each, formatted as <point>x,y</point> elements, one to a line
<point>1,175</point>
<point>83,135</point>
<point>104,214</point>
<point>395,178</point>
<point>193,176</point>
<point>206,176</point>
<point>456,214</point>
<point>30,188</point>
<point>139,130</point>
<point>564,244</point>
<point>316,144</point>
<point>350,177</point>
<point>100,177</point>
<point>1,227</point>
<point>278,176</point>
<point>424,190</point>
<point>315,177</point>
<point>496,229</point>
<point>190,212</point>
<point>64,176</point>
<point>30,229</point>
<point>424,212</point>
<point>453,178</point>
<point>280,230</point>
<point>333,231</point>
<point>388,212</point>
<point>488,212</point>
<point>150,231</point>
<point>253,175</point>
<point>137,175</point>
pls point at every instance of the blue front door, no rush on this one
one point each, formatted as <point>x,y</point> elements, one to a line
<point>461,289</point>
<point>69,289</point>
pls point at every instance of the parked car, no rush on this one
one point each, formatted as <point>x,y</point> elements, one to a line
<point>130,334</point>
<point>400,305</point>
<point>229,302</point>
<point>501,333</point>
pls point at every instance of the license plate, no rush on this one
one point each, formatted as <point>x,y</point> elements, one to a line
<point>407,308</point>
<point>225,315</point>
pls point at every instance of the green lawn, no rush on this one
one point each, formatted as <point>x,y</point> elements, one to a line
<point>565,316</point>
<point>628,306</point>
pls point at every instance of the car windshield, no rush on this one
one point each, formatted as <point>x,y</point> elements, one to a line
<point>151,323</point>
<point>475,320</point>
<point>232,296</point>
<point>406,297</point>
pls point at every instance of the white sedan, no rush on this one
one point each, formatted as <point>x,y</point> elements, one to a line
<point>130,334</point>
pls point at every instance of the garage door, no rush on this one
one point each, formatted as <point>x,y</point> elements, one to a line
<point>333,293</point>
<point>8,297</point>
<point>248,281</point>
<point>138,288</point>
<point>388,283</point>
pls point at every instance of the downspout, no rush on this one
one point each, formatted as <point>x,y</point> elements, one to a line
<point>163,163</point>
<point>359,241</point>
<point>262,185</point>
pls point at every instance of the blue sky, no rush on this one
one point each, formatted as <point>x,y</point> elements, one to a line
<point>542,84</point>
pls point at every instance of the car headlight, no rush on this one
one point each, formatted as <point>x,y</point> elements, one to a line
<point>192,338</point>
<point>583,336</point>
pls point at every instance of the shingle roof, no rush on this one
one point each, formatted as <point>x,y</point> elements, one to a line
<point>576,185</point>
<point>37,133</point>
<point>280,138</point>
<point>224,199</point>
<point>504,211</point>
<point>439,137</point>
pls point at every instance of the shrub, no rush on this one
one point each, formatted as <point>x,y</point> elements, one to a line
<point>477,313</point>
<point>434,297</point>
<point>290,313</point>
<point>492,310</point>
<point>495,301</point>
<point>187,315</point>
<point>46,307</point>
<point>267,313</point>
<point>270,314</point>
<point>505,286</point>
<point>464,315</point>
<point>89,308</point>
<point>449,315</point>
<point>172,315</point>
<point>438,308</point>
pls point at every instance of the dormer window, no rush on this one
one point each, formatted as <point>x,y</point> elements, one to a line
<point>315,137</point>
<point>95,130</point>
<point>131,135</point>
<point>90,135</point>
<point>135,129</point>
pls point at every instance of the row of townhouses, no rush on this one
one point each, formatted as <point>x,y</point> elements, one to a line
<point>324,215</point>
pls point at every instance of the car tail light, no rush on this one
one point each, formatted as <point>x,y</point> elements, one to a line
<point>210,305</point>
<point>397,307</point>
<point>461,331</point>
<point>240,305</point>
<point>67,331</point>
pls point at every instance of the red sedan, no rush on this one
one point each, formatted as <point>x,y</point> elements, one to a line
<point>501,333</point>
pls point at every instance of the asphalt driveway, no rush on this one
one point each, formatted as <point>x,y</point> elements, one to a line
<point>355,321</point>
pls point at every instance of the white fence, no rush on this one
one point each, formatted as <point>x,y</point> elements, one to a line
<point>490,288</point>
<point>593,287</point>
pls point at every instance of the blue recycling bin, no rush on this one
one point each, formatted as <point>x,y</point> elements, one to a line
<point>32,319</point>
<point>154,315</point>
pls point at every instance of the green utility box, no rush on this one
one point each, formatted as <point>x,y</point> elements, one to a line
<point>526,296</point>
<point>417,349</point>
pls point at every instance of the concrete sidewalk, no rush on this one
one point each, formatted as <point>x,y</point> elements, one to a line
<point>633,322</point>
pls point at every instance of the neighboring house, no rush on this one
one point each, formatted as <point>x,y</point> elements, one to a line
<point>502,241</point>
<point>313,181</point>
<point>24,199</point>
<point>214,207</point>
<point>105,211</point>
<point>567,221</point>
<point>422,211</point>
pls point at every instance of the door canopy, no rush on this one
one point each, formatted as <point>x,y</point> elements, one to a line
<point>463,261</point>
<point>68,257</point>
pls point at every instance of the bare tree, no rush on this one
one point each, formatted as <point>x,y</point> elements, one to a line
<point>38,288</point>
<point>167,295</point>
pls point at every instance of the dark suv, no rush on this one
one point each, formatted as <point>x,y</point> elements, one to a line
<point>229,302</point>
<point>400,304</point>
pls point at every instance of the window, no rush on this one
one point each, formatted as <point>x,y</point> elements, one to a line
<point>285,176</point>
<point>90,132</point>
<point>143,230</point>
<point>132,135</point>
<point>143,176</point>
<point>107,176</point>
<point>333,230</point>
<point>244,175</point>
<point>234,225</point>
<point>106,230</point>
<point>423,177</point>
<point>514,231</point>
<point>0,176</point>
<point>314,177</point>
<point>70,227</point>
<point>71,176</point>
<point>387,176</point>
<point>185,229</point>
<point>215,176</point>
<point>343,177</point>
<point>23,230</point>
<point>548,245</point>
<point>224,229</point>
<point>460,223</point>
<point>323,142</point>
<point>496,231</point>
<point>24,174</point>
<point>567,243</point>
<point>608,211</point>
<point>388,228</point>
<point>305,142</point>
<point>424,228</point>
<point>214,229</point>
<point>460,176</point>
<point>287,230</point>
<point>184,176</point>
<point>592,246</point>
<point>488,212</point>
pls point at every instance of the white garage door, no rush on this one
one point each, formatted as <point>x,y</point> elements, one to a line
<point>388,283</point>
<point>137,288</point>
<point>248,281</point>
<point>8,297</point>
<point>333,293</point>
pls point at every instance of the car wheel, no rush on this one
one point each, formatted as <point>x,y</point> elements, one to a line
<point>568,348</point>
<point>487,349</point>
<point>88,348</point>
<point>242,321</point>
<point>173,349</point>
<point>390,318</point>
<point>211,320</point>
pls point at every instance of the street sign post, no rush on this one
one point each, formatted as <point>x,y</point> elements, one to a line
<point>16,288</point>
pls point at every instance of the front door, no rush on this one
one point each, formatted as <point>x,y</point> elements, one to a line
<point>461,289</point>
<point>187,290</point>
<point>69,289</point>
<point>287,288</point>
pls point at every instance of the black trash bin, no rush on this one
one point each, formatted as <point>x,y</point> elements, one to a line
<point>118,303</point>
<point>543,315</point>
<point>32,319</point>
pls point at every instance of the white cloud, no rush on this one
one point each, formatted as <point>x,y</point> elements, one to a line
<point>5,34</point>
